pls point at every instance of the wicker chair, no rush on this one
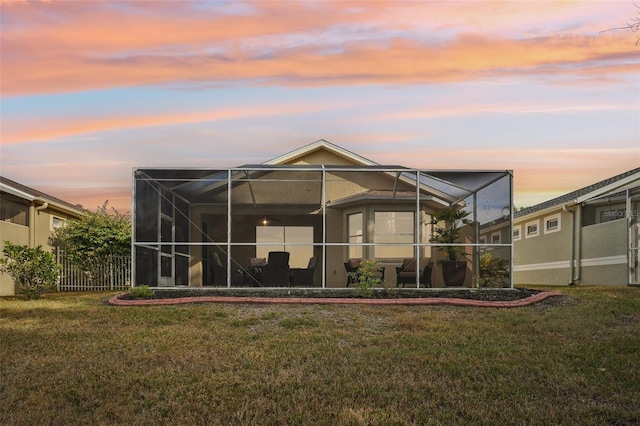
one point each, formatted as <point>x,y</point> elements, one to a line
<point>220,273</point>
<point>304,277</point>
<point>406,273</point>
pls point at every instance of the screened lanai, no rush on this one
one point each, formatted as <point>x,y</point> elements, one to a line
<point>301,225</point>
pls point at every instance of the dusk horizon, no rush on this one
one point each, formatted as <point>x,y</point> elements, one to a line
<point>92,90</point>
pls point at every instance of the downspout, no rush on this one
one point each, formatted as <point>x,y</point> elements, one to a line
<point>573,278</point>
<point>577,276</point>
<point>32,220</point>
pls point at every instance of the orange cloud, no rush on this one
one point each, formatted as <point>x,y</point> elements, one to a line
<point>97,47</point>
<point>35,129</point>
<point>539,174</point>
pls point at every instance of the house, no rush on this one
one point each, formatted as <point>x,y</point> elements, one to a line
<point>29,217</point>
<point>320,205</point>
<point>588,236</point>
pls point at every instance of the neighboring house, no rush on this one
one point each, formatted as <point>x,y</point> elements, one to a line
<point>29,217</point>
<point>321,203</point>
<point>589,236</point>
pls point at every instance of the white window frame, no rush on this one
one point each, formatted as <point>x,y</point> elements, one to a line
<point>482,239</point>
<point>62,224</point>
<point>550,218</point>
<point>406,250</point>
<point>516,234</point>
<point>499,235</point>
<point>532,223</point>
<point>352,249</point>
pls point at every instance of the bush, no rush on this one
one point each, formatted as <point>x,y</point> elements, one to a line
<point>368,276</point>
<point>494,271</point>
<point>142,292</point>
<point>33,269</point>
<point>91,241</point>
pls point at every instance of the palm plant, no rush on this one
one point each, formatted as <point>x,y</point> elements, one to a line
<point>446,230</point>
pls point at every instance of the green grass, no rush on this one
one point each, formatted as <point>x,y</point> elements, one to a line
<point>71,359</point>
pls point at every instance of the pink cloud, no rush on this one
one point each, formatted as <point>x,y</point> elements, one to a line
<point>34,129</point>
<point>81,46</point>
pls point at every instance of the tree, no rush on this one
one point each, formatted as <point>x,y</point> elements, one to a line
<point>33,269</point>
<point>633,25</point>
<point>90,241</point>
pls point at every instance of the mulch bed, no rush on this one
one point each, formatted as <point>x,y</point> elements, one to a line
<point>485,294</point>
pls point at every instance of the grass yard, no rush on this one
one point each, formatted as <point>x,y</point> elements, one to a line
<point>70,359</point>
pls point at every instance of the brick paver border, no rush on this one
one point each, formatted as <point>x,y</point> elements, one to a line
<point>338,300</point>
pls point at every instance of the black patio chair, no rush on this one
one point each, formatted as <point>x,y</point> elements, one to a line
<point>276,272</point>
<point>254,271</point>
<point>351,266</point>
<point>304,277</point>
<point>220,273</point>
<point>406,273</point>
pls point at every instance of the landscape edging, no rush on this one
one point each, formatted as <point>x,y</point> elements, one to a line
<point>117,301</point>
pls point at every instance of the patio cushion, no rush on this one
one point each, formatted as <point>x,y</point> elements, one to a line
<point>257,261</point>
<point>216,259</point>
<point>354,263</point>
<point>409,265</point>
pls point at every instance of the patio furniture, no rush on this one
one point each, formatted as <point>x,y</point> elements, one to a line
<point>276,272</point>
<point>352,266</point>
<point>254,271</point>
<point>304,277</point>
<point>406,273</point>
<point>220,273</point>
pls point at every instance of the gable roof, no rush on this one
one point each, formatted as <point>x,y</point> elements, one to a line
<point>447,187</point>
<point>607,186</point>
<point>30,194</point>
<point>318,145</point>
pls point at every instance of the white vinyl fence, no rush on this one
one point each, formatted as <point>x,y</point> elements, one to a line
<point>108,273</point>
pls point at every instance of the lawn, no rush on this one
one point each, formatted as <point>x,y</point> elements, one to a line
<point>72,359</point>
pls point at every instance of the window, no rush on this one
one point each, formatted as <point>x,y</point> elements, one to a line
<point>516,233</point>
<point>356,235</point>
<point>394,227</point>
<point>297,240</point>
<point>608,214</point>
<point>482,239</point>
<point>56,223</point>
<point>532,229</point>
<point>495,238</point>
<point>552,223</point>
<point>14,212</point>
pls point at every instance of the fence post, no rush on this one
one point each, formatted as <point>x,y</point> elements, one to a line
<point>58,261</point>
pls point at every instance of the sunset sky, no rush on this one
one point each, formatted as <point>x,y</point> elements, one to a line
<point>91,89</point>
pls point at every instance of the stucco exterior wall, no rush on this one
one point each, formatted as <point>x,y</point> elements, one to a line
<point>321,157</point>
<point>37,234</point>
<point>17,234</point>
<point>604,254</point>
<point>545,258</point>
<point>600,253</point>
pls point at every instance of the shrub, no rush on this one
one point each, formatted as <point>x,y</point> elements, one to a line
<point>142,292</point>
<point>368,276</point>
<point>33,269</point>
<point>91,241</point>
<point>494,271</point>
